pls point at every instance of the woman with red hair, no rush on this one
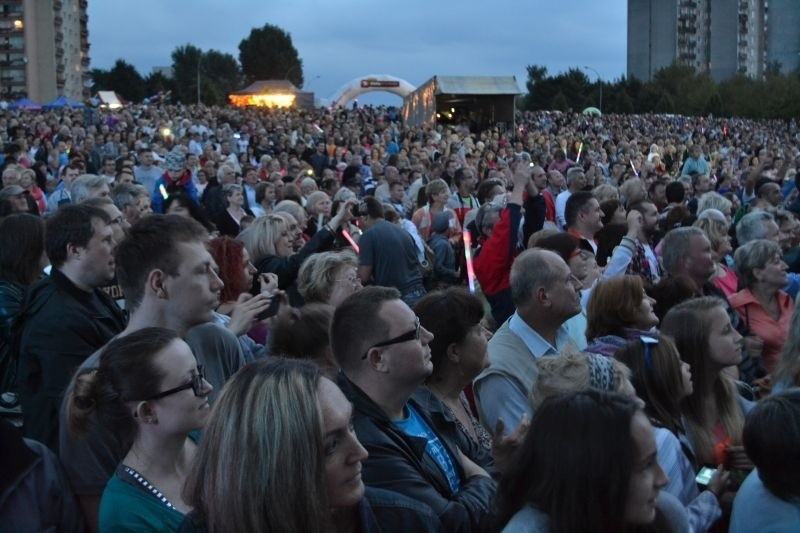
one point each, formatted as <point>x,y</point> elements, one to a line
<point>239,309</point>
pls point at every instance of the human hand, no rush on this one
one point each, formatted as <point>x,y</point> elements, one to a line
<point>719,481</point>
<point>470,468</point>
<point>344,215</point>
<point>246,310</point>
<point>269,283</point>
<point>504,446</point>
<point>737,458</point>
<point>635,222</point>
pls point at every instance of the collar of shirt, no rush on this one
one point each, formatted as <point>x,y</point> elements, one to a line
<point>535,343</point>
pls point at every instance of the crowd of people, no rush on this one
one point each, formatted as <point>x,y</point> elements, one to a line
<point>221,319</point>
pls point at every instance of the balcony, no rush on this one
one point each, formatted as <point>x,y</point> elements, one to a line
<point>58,20</point>
<point>57,5</point>
<point>85,62</point>
<point>59,36</point>
<point>60,51</point>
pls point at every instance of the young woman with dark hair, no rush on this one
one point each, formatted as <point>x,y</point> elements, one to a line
<point>588,463</point>
<point>22,259</point>
<point>149,390</point>
<point>662,380</point>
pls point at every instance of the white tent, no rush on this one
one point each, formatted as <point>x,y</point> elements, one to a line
<point>109,99</point>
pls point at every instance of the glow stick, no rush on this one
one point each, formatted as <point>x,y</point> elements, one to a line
<point>634,168</point>
<point>163,191</point>
<point>320,219</point>
<point>468,256</point>
<point>580,149</point>
<point>350,240</point>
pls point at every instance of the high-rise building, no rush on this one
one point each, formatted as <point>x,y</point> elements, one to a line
<point>44,49</point>
<point>719,37</point>
<point>783,34</point>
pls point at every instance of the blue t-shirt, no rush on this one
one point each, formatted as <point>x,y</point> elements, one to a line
<point>415,426</point>
<point>757,509</point>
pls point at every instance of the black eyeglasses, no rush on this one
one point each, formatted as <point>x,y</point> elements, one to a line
<point>407,336</point>
<point>646,343</point>
<point>196,385</point>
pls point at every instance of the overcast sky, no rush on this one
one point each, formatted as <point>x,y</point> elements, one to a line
<point>342,40</point>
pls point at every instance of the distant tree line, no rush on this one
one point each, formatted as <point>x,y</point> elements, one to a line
<point>267,53</point>
<point>675,89</point>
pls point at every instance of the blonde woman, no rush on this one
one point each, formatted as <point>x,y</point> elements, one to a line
<point>716,226</point>
<point>279,453</point>
<point>714,412</point>
<point>438,193</point>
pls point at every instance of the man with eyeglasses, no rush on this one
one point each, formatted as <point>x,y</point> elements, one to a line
<point>546,294</point>
<point>385,357</point>
<point>170,280</point>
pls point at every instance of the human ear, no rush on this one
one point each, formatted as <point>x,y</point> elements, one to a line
<point>145,413</point>
<point>156,283</point>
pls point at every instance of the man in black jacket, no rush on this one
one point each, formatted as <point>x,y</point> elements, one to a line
<point>384,356</point>
<point>66,316</point>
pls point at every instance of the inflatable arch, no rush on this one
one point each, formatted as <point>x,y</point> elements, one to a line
<point>369,83</point>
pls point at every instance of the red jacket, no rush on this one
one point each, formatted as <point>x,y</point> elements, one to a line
<point>493,264</point>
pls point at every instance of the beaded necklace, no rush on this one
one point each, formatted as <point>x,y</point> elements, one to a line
<point>147,486</point>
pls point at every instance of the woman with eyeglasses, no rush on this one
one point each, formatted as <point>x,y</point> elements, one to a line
<point>458,354</point>
<point>663,381</point>
<point>329,277</point>
<point>149,390</point>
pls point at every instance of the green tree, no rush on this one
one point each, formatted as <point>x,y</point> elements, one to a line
<point>124,79</point>
<point>559,102</point>
<point>217,73</point>
<point>99,79</point>
<point>226,77</point>
<point>186,72</point>
<point>624,103</point>
<point>268,54</point>
<point>156,82</point>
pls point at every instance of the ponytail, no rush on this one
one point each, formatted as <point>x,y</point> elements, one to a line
<point>125,373</point>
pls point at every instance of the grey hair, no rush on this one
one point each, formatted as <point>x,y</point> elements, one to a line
<point>83,185</point>
<point>530,270</point>
<point>291,207</point>
<point>752,226</point>
<point>713,200</point>
<point>676,246</point>
<point>572,174</point>
<point>123,195</point>
<point>755,254</point>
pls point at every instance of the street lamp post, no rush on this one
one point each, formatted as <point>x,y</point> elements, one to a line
<point>286,76</point>
<point>600,107</point>
<point>308,85</point>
